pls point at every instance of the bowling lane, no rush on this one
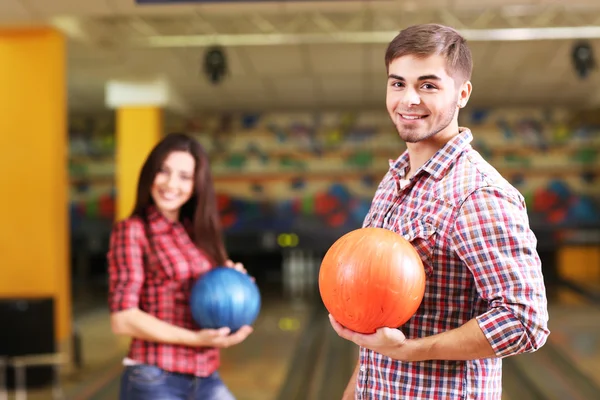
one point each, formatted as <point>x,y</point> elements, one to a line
<point>257,369</point>
<point>295,355</point>
<point>567,366</point>
<point>575,327</point>
<point>253,370</point>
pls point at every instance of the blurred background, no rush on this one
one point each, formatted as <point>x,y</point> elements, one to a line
<point>289,99</point>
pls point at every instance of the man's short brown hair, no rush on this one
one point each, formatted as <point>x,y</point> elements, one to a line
<point>433,39</point>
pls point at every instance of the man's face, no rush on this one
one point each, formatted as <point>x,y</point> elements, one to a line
<point>422,99</point>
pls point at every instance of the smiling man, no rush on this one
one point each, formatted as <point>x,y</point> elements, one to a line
<point>485,297</point>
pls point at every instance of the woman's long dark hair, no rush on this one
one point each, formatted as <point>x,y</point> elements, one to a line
<point>201,209</point>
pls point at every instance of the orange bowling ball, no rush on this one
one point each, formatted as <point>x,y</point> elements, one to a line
<point>371,278</point>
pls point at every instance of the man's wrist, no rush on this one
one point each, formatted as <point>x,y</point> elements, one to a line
<point>415,350</point>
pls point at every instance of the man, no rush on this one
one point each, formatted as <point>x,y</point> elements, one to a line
<point>485,297</point>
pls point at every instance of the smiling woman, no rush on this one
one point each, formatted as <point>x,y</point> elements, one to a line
<point>176,179</point>
<point>174,183</point>
<point>156,255</point>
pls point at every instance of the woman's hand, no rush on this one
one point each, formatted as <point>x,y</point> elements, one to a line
<point>220,337</point>
<point>236,266</point>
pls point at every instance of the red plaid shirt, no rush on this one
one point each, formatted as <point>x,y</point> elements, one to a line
<point>158,280</point>
<point>471,229</point>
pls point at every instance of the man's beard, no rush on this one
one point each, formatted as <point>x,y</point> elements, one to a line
<point>413,136</point>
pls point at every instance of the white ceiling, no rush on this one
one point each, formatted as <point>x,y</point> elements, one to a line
<point>111,39</point>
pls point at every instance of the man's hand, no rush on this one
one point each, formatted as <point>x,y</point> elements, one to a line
<point>387,341</point>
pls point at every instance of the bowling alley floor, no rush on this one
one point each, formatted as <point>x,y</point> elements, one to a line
<point>254,370</point>
<point>575,326</point>
<point>567,368</point>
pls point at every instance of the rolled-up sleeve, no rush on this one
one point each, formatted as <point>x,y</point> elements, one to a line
<point>125,265</point>
<point>493,238</point>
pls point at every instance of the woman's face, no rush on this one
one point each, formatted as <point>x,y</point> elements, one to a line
<point>174,183</point>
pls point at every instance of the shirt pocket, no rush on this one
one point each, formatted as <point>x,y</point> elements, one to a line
<point>376,215</point>
<point>422,236</point>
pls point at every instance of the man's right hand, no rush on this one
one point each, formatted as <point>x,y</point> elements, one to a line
<point>220,338</point>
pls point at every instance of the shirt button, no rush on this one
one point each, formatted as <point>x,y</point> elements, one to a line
<point>362,369</point>
<point>407,237</point>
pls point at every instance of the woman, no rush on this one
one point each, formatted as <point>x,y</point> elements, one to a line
<point>172,237</point>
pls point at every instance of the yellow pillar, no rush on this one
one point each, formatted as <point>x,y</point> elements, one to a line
<point>34,243</point>
<point>139,106</point>
<point>138,130</point>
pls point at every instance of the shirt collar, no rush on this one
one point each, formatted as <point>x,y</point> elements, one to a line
<point>437,165</point>
<point>159,224</point>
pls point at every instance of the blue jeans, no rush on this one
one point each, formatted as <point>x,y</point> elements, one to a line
<point>148,382</point>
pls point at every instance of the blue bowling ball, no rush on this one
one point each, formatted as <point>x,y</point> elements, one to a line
<point>224,297</point>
